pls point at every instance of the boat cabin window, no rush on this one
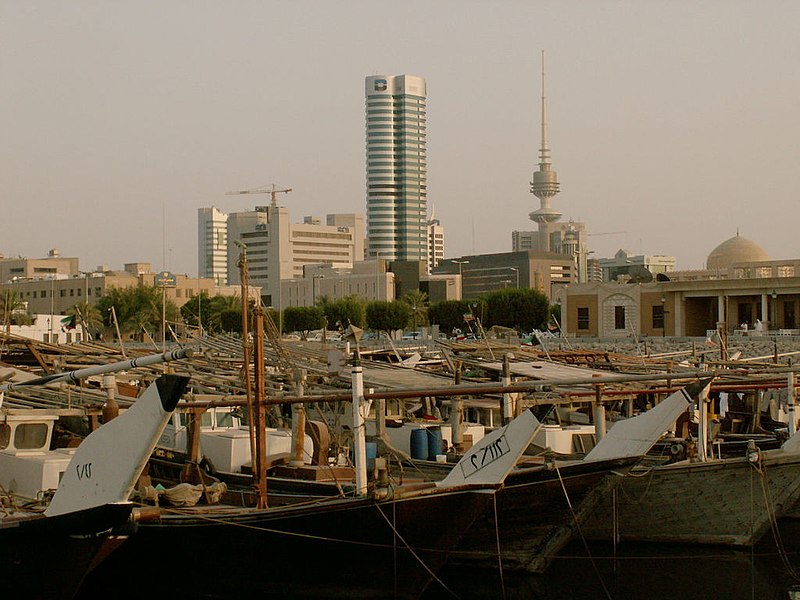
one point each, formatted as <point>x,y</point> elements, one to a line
<point>205,420</point>
<point>225,419</point>
<point>30,436</point>
<point>5,435</point>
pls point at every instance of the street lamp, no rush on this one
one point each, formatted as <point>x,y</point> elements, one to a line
<point>516,272</point>
<point>460,276</point>
<point>314,288</point>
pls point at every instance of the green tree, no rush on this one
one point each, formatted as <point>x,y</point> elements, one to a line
<point>230,320</point>
<point>211,310</point>
<point>387,316</point>
<point>342,313</point>
<point>449,314</point>
<point>303,319</point>
<point>417,301</point>
<point>522,309</point>
<point>137,308</point>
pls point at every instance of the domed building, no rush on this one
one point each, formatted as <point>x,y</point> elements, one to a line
<point>735,250</point>
<point>741,292</point>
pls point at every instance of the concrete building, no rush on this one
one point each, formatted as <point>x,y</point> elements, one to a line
<point>27,268</point>
<point>543,271</point>
<point>278,249</point>
<point>49,329</point>
<point>743,287</point>
<point>57,294</point>
<point>365,279</point>
<point>354,222</point>
<point>396,167</point>
<point>212,244</point>
<point>636,267</point>
<point>435,245</point>
<point>568,238</point>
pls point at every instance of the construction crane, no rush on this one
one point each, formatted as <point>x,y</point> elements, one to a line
<point>272,192</point>
<point>607,233</point>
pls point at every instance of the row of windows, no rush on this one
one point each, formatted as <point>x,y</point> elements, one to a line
<point>657,317</point>
<point>98,292</point>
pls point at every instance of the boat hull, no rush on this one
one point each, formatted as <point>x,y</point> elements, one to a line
<point>347,548</point>
<point>49,557</point>
<point>535,515</point>
<point>725,502</point>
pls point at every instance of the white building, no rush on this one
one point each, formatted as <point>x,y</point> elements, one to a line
<point>396,167</point>
<point>279,249</point>
<point>369,280</point>
<point>49,329</point>
<point>212,244</point>
<point>435,244</point>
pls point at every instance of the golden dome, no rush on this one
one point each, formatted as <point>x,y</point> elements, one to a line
<point>735,250</point>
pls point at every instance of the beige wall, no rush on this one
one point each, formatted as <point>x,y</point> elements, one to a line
<point>691,307</point>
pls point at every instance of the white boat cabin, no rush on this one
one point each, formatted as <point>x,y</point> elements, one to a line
<point>225,442</point>
<point>28,467</point>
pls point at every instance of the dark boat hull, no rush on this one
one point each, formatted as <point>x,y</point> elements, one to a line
<point>536,513</point>
<point>728,502</point>
<point>335,549</point>
<point>49,557</point>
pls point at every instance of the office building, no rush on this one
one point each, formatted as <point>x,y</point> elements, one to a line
<point>279,249</point>
<point>396,167</point>
<point>435,244</point>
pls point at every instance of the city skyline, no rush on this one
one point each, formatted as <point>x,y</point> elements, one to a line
<point>673,122</point>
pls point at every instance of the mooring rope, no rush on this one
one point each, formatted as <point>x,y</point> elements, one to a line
<point>415,555</point>
<point>580,532</point>
<point>497,541</point>
<point>769,506</point>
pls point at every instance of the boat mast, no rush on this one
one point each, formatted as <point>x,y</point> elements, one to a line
<point>260,457</point>
<point>242,264</point>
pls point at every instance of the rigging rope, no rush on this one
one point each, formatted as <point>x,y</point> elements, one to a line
<point>580,532</point>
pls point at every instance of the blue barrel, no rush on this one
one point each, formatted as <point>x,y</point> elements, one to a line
<point>434,442</point>
<point>372,453</point>
<point>419,444</point>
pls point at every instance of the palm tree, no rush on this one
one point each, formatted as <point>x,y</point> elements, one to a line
<point>89,315</point>
<point>417,300</point>
<point>11,305</point>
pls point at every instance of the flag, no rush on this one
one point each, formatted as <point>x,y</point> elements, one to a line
<point>68,323</point>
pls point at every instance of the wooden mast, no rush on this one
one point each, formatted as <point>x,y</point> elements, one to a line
<point>246,360</point>
<point>260,456</point>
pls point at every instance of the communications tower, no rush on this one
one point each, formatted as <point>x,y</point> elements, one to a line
<point>545,183</point>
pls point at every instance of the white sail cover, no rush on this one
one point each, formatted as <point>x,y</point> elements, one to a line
<point>635,436</point>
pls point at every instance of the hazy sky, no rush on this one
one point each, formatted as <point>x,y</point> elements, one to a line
<point>674,122</point>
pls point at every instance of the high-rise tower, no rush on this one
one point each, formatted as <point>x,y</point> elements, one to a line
<point>396,167</point>
<point>212,244</point>
<point>545,183</point>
